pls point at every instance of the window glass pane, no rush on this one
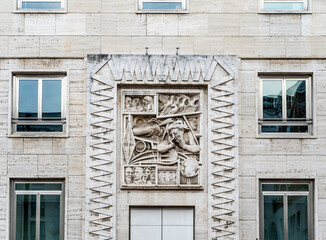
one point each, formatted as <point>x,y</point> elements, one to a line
<point>272,99</point>
<point>163,5</point>
<point>284,6</point>
<point>39,128</point>
<point>145,216</point>
<point>26,217</point>
<point>38,186</point>
<point>178,233</point>
<point>297,218</point>
<point>28,99</point>
<point>145,233</point>
<point>285,187</point>
<point>284,129</point>
<point>50,217</point>
<point>178,216</point>
<point>41,5</point>
<point>51,100</point>
<point>296,98</point>
<point>273,218</point>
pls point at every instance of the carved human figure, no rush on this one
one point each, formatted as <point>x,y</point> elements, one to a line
<point>138,175</point>
<point>148,103</point>
<point>146,176</point>
<point>129,175</point>
<point>136,105</point>
<point>128,101</point>
<point>176,136</point>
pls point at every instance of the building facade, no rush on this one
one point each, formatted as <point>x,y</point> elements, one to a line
<point>158,120</point>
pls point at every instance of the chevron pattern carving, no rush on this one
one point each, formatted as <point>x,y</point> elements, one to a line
<point>222,156</point>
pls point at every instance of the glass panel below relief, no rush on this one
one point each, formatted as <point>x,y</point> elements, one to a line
<point>41,5</point>
<point>38,186</point>
<point>296,98</point>
<point>26,217</point>
<point>39,128</point>
<point>297,218</point>
<point>284,129</point>
<point>272,99</point>
<point>273,218</point>
<point>286,187</point>
<point>284,6</point>
<point>162,5</point>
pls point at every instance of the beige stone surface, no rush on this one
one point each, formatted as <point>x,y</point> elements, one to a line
<point>39,24</point>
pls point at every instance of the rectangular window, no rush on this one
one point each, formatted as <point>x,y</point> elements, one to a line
<point>167,223</point>
<point>285,5</point>
<point>37,210</point>
<point>286,210</point>
<point>39,104</point>
<point>41,4</point>
<point>285,105</point>
<point>162,5</point>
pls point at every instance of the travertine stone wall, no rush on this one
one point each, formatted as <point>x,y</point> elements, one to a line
<point>280,158</point>
<point>30,157</point>
<point>216,204</point>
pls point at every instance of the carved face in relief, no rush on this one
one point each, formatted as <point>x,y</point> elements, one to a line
<point>128,175</point>
<point>128,103</point>
<point>138,174</point>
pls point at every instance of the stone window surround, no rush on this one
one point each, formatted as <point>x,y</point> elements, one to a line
<point>310,197</point>
<point>307,11</point>
<point>65,104</point>
<point>185,7</point>
<point>312,133</point>
<point>17,8</point>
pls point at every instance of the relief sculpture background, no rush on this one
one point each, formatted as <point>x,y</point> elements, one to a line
<point>161,139</point>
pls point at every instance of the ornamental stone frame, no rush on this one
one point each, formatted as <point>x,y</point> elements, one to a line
<point>162,122</point>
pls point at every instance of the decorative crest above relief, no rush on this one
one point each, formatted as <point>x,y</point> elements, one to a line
<point>161,144</point>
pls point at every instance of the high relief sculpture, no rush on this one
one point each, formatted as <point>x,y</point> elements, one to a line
<point>161,139</point>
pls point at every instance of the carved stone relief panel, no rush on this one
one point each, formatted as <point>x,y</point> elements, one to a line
<point>162,137</point>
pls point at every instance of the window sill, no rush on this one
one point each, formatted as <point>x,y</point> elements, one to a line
<point>40,11</point>
<point>162,11</point>
<point>285,136</point>
<point>284,12</point>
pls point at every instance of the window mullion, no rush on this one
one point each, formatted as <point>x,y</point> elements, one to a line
<point>40,100</point>
<point>285,217</point>
<point>284,112</point>
<point>37,222</point>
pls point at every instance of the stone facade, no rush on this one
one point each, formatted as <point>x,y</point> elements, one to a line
<point>224,46</point>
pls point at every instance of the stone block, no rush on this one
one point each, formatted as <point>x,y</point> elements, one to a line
<point>3,228</point>
<point>3,207</point>
<point>75,229</point>
<point>320,103</point>
<point>3,165</point>
<point>162,24</point>
<point>77,82</point>
<point>22,165</point>
<point>15,145</point>
<point>248,81</point>
<point>321,187</point>
<point>313,25</point>
<point>247,104</point>
<point>4,107</point>
<point>320,126</point>
<point>256,65</point>
<point>118,6</point>
<point>248,209</point>
<point>11,64</point>
<point>320,79</point>
<point>300,167</point>
<point>38,146</point>
<point>248,230</point>
<point>254,25</point>
<point>280,65</point>
<point>77,125</point>
<point>76,187</point>
<point>209,45</point>
<point>247,166</point>
<point>239,6</point>
<point>252,146</point>
<point>319,6</point>
<point>44,64</point>
<point>40,24</point>
<point>223,25</point>
<point>271,166</point>
<point>248,126</point>
<point>154,44</point>
<point>299,46</point>
<point>69,63</point>
<point>248,187</point>
<point>52,165</point>
<point>193,25</point>
<point>285,25</point>
<point>71,145</point>
<point>313,146</point>
<point>75,208</point>
<point>185,44</point>
<point>11,24</point>
<point>3,122</point>
<point>116,44</point>
<point>6,6</point>
<point>77,101</point>
<point>321,208</point>
<point>320,165</point>
<point>78,24</point>
<point>84,6</point>
<point>23,46</point>
<point>286,146</point>
<point>241,46</point>
<point>76,165</point>
<point>210,6</point>
<point>4,185</point>
<point>269,47</point>
<point>68,46</point>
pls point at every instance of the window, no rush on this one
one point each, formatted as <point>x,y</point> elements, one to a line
<point>40,5</point>
<point>155,223</point>
<point>286,210</point>
<point>39,103</point>
<point>284,5</point>
<point>37,210</point>
<point>163,5</point>
<point>285,105</point>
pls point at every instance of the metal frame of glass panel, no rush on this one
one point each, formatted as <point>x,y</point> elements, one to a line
<point>285,121</point>
<point>39,121</point>
<point>304,2</point>
<point>183,9</point>
<point>285,194</point>
<point>38,194</point>
<point>162,209</point>
<point>19,4</point>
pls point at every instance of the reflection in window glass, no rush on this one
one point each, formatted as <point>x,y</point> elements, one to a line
<point>284,129</point>
<point>273,218</point>
<point>283,6</point>
<point>297,218</point>
<point>38,186</point>
<point>50,217</point>
<point>296,98</point>
<point>51,100</point>
<point>272,99</point>
<point>162,5</point>
<point>25,217</point>
<point>28,99</point>
<point>285,187</point>
<point>41,5</point>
